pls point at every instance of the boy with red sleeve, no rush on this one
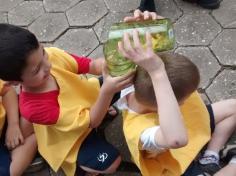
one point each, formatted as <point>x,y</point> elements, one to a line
<point>63,105</point>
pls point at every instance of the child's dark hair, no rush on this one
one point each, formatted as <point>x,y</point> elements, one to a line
<point>16,44</point>
<point>182,73</point>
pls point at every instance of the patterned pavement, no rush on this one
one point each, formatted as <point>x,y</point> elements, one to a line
<point>80,27</point>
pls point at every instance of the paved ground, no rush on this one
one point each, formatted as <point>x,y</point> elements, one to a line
<point>80,27</point>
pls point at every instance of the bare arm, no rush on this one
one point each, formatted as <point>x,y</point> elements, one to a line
<point>172,133</point>
<point>110,86</point>
<point>95,66</point>
<point>10,102</point>
<point>99,109</point>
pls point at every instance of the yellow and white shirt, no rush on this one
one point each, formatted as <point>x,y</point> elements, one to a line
<point>173,162</point>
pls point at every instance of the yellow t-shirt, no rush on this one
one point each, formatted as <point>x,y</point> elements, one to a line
<point>173,162</point>
<point>2,110</point>
<point>59,143</point>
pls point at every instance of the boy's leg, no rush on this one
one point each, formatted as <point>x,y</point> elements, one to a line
<point>225,123</point>
<point>96,155</point>
<point>23,155</point>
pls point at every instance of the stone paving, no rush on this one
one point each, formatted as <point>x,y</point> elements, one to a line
<point>80,27</point>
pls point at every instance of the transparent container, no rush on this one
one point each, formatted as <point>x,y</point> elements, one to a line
<point>162,39</point>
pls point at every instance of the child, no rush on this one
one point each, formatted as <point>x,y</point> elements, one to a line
<point>16,152</point>
<point>167,137</point>
<point>63,105</point>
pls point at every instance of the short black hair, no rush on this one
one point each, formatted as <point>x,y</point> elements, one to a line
<point>16,44</point>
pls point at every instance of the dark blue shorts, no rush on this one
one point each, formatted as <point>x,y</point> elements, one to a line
<point>96,153</point>
<point>194,169</point>
<point>5,157</point>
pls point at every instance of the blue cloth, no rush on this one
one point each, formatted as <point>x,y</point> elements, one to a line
<point>5,157</point>
<point>96,153</point>
<point>5,160</point>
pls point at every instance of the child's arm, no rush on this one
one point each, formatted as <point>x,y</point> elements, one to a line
<point>95,66</point>
<point>14,136</point>
<point>110,86</point>
<point>172,132</point>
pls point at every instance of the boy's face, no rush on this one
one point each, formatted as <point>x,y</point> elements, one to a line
<point>37,70</point>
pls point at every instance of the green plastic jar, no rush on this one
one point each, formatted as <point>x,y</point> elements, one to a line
<point>162,39</point>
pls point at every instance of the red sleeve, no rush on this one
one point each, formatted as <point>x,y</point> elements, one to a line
<point>83,63</point>
<point>40,108</point>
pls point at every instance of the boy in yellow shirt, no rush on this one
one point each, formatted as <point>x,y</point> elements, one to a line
<point>166,123</point>
<point>62,104</point>
<point>16,152</point>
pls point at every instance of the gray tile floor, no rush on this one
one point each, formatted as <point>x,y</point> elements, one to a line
<point>80,27</point>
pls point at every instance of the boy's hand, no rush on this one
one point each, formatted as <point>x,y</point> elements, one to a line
<point>141,16</point>
<point>143,56</point>
<point>14,136</point>
<point>115,84</point>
